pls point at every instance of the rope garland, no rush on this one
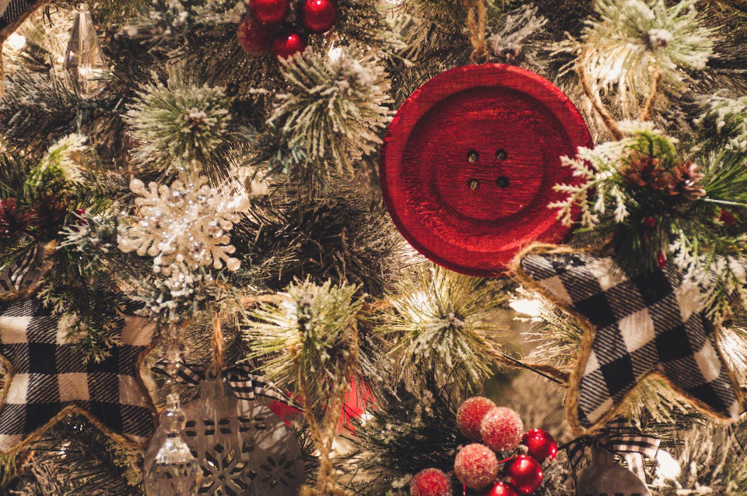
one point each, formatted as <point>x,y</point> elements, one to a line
<point>649,104</point>
<point>477,13</point>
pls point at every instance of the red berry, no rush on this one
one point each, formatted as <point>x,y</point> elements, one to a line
<point>649,222</point>
<point>524,474</point>
<point>727,218</point>
<point>500,489</point>
<point>661,261</point>
<point>476,466</point>
<point>254,37</point>
<point>270,11</point>
<point>80,213</point>
<point>470,415</point>
<point>318,16</point>
<point>540,445</point>
<point>502,429</point>
<point>287,45</point>
<point>430,482</point>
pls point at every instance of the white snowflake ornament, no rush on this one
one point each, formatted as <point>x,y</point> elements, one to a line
<point>184,226</point>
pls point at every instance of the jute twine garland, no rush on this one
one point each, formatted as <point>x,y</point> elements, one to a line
<point>477,14</point>
<point>609,122</point>
<point>323,432</point>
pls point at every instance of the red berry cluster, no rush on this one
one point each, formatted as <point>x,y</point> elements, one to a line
<point>265,30</point>
<point>477,466</point>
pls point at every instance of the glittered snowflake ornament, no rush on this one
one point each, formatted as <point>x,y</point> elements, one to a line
<point>183,226</point>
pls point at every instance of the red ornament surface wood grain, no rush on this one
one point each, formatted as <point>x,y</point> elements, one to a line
<point>469,162</point>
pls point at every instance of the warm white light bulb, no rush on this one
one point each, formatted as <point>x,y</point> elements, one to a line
<point>15,41</point>
<point>334,53</point>
<point>530,308</point>
<point>668,468</point>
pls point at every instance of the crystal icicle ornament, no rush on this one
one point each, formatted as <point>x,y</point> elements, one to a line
<point>174,470</point>
<point>84,61</point>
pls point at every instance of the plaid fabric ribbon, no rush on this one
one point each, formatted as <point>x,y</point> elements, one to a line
<point>622,439</point>
<point>244,384</point>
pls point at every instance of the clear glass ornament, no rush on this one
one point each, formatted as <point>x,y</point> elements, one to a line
<point>242,448</point>
<point>84,61</point>
<point>174,470</point>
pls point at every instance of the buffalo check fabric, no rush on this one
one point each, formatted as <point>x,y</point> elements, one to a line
<point>12,10</point>
<point>643,323</point>
<point>49,374</point>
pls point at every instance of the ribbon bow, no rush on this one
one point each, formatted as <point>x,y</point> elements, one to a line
<point>243,384</point>
<point>620,438</point>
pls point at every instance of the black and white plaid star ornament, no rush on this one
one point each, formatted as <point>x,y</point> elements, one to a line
<point>48,376</point>
<point>637,325</point>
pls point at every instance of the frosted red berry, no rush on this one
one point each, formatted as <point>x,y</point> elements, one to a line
<point>649,222</point>
<point>430,482</point>
<point>476,466</point>
<point>661,261</point>
<point>502,429</point>
<point>470,415</point>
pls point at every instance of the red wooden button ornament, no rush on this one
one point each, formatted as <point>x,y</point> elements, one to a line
<point>469,163</point>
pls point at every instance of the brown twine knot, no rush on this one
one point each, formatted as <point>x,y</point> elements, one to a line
<point>477,14</point>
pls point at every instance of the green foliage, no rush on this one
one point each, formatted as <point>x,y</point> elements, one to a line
<point>177,126</point>
<point>712,459</point>
<point>440,325</point>
<point>307,338</point>
<point>619,48</point>
<point>642,199</point>
<point>333,109</point>
<point>724,123</point>
<point>395,445</point>
<point>36,110</point>
<point>59,172</point>
<point>337,236</point>
<point>76,459</point>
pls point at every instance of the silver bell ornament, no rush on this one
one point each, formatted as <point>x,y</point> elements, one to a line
<point>241,447</point>
<point>605,477</point>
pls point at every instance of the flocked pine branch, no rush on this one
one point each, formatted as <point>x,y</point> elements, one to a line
<point>306,337</point>
<point>725,122</point>
<point>440,324</point>
<point>334,109</point>
<point>712,461</point>
<point>640,197</point>
<point>631,40</point>
<point>507,44</point>
<point>37,109</point>
<point>60,170</point>
<point>178,125</point>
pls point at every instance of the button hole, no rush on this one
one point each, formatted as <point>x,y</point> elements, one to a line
<point>502,182</point>
<point>473,156</point>
<point>501,155</point>
<point>473,184</point>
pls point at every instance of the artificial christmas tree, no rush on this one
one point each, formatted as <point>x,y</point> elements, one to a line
<point>333,217</point>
